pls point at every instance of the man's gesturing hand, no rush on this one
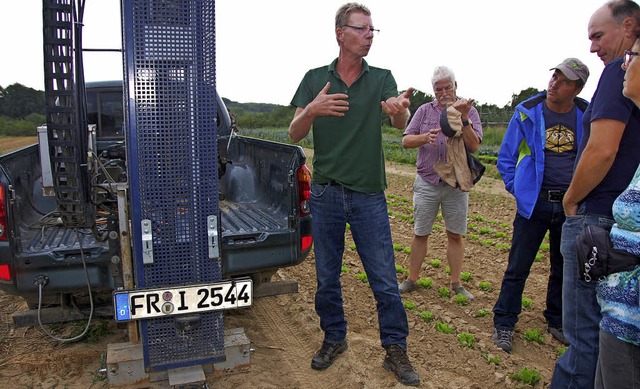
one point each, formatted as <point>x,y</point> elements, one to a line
<point>395,105</point>
<point>329,104</point>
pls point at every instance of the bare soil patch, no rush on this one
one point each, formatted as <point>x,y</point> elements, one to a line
<point>15,142</point>
<point>284,330</point>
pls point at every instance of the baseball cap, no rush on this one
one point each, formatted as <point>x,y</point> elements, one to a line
<point>573,69</point>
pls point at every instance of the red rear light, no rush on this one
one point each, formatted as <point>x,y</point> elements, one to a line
<point>304,190</point>
<point>5,275</point>
<point>3,214</point>
<point>306,242</point>
<point>304,195</point>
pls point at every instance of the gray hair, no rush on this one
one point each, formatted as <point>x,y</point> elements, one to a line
<point>442,73</point>
<point>342,16</point>
<point>622,9</point>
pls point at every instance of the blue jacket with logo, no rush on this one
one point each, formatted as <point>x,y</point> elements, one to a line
<point>521,155</point>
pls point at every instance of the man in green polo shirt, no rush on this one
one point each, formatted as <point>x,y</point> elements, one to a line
<point>342,104</point>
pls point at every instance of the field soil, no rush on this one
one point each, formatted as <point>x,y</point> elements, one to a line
<point>284,330</point>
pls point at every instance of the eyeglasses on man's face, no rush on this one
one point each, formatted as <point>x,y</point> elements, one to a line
<point>447,88</point>
<point>363,30</point>
<point>628,55</point>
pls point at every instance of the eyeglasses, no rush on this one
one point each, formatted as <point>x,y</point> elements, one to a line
<point>628,55</point>
<point>364,30</point>
<point>447,88</point>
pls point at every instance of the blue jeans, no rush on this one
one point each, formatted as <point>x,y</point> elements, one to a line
<point>576,368</point>
<point>332,207</point>
<point>528,234</point>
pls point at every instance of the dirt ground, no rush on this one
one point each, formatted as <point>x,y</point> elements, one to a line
<point>284,329</point>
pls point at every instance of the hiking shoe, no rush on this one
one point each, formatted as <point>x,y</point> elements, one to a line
<point>557,333</point>
<point>407,286</point>
<point>327,354</point>
<point>397,361</point>
<point>461,290</point>
<point>503,339</point>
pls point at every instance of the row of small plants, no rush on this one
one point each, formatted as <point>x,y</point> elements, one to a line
<point>466,339</point>
<point>486,232</point>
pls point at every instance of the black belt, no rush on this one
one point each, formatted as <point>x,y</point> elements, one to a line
<point>552,196</point>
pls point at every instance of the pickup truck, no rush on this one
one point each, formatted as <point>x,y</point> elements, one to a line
<point>264,190</point>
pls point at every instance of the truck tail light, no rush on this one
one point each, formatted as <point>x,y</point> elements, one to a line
<point>304,190</point>
<point>304,195</point>
<point>5,274</point>
<point>3,214</point>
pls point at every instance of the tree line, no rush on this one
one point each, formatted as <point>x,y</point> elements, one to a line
<point>22,109</point>
<point>262,115</point>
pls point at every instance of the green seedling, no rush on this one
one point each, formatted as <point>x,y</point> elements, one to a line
<point>465,276</point>
<point>482,313</point>
<point>444,292</point>
<point>466,339</point>
<point>561,350</point>
<point>479,218</point>
<point>407,250</point>
<point>491,359</point>
<point>344,268</point>
<point>487,242</point>
<point>437,227</point>
<point>544,247</point>
<point>538,257</point>
<point>443,327</point>
<point>485,285</point>
<point>410,305</point>
<point>504,225</point>
<point>397,247</point>
<point>527,376</point>
<point>436,263</point>
<point>399,269</point>
<point>427,316</point>
<point>474,237</point>
<point>461,299</point>
<point>447,270</point>
<point>425,282</point>
<point>503,246</point>
<point>485,230</point>
<point>526,302</point>
<point>352,246</point>
<point>500,234</point>
<point>534,335</point>
<point>362,276</point>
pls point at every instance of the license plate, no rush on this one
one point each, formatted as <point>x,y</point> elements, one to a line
<point>152,303</point>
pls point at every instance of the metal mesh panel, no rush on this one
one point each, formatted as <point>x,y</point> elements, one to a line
<point>170,89</point>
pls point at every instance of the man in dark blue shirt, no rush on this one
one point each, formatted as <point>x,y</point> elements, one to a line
<point>607,158</point>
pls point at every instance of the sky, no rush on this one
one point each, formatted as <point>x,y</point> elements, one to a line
<point>496,48</point>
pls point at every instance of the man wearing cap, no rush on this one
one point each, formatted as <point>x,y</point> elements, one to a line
<point>536,164</point>
<point>430,191</point>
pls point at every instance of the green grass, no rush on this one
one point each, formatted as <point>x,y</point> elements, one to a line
<point>392,144</point>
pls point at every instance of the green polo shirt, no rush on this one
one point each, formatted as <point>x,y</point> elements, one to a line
<point>348,149</point>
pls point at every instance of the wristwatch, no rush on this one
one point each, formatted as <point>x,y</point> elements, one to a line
<point>465,123</point>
